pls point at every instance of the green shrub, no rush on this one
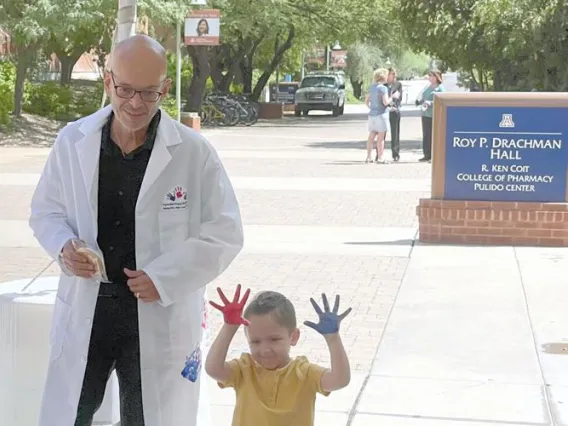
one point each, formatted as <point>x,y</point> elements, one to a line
<point>49,100</point>
<point>236,89</point>
<point>186,73</point>
<point>65,103</point>
<point>7,81</point>
<point>86,99</point>
<point>350,97</point>
<point>169,105</point>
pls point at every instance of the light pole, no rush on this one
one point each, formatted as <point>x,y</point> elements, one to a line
<point>336,46</point>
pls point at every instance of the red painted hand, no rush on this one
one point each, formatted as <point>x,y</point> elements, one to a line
<point>233,311</point>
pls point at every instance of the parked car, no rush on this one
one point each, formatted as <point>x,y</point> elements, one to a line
<point>321,91</point>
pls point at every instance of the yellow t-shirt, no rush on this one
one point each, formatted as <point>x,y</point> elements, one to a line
<point>281,397</point>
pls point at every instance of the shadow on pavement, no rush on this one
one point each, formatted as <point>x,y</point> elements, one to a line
<point>381,243</point>
<point>324,119</point>
<point>362,161</point>
<point>405,145</point>
<point>411,113</point>
<point>311,120</point>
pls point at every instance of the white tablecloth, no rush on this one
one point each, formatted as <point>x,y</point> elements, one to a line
<point>25,320</point>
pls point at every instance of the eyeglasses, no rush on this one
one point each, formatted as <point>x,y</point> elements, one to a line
<point>126,92</point>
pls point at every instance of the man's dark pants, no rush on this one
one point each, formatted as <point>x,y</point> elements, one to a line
<point>114,345</point>
<point>394,118</point>
<point>427,137</point>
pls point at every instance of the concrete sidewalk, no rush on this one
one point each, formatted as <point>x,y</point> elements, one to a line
<point>477,336</point>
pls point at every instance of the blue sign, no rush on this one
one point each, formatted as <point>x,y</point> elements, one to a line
<point>506,154</point>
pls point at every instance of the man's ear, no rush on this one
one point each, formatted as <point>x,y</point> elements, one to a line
<point>295,337</point>
<point>166,87</point>
<point>107,79</point>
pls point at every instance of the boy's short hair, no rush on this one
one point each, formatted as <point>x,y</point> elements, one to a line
<point>272,302</point>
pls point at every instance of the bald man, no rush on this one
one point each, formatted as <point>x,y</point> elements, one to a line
<point>140,214</point>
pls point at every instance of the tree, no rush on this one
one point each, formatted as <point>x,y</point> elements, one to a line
<point>501,44</point>
<point>22,20</point>
<point>76,27</point>
<point>362,59</point>
<point>533,39</point>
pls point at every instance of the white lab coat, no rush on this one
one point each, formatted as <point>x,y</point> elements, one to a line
<point>182,245</point>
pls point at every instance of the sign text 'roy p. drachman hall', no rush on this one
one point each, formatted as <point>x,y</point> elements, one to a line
<point>499,153</point>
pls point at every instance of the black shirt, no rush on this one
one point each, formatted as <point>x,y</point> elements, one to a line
<point>120,179</point>
<point>395,87</point>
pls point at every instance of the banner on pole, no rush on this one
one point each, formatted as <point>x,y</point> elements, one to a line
<point>202,27</point>
<point>338,58</point>
<point>316,55</point>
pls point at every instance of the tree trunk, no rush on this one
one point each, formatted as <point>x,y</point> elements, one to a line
<point>357,88</point>
<point>67,65</point>
<point>497,84</point>
<point>279,51</point>
<point>229,76</point>
<point>482,85</point>
<point>216,60</point>
<point>246,66</point>
<point>246,73</point>
<point>201,72</point>
<point>21,73</point>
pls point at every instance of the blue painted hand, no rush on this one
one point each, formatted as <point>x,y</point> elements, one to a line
<point>329,321</point>
<point>192,366</point>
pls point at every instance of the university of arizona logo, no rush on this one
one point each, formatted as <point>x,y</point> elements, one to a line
<point>507,121</point>
<point>175,199</point>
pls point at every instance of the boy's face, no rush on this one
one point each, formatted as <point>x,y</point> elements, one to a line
<point>270,342</point>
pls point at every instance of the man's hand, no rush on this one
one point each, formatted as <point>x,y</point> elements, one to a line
<point>142,286</point>
<point>233,311</point>
<point>395,95</point>
<point>329,321</point>
<point>76,263</point>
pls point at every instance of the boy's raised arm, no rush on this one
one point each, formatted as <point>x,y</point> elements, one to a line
<point>339,375</point>
<point>215,364</point>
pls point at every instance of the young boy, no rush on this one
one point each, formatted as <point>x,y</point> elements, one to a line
<point>271,388</point>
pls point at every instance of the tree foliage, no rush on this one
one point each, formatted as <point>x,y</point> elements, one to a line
<point>503,44</point>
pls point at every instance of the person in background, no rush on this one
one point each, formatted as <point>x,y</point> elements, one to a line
<point>378,124</point>
<point>394,86</point>
<point>273,389</point>
<point>427,102</point>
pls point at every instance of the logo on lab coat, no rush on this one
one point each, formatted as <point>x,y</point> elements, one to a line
<point>176,199</point>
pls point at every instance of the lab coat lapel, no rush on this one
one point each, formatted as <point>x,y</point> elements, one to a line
<point>166,137</point>
<point>88,151</point>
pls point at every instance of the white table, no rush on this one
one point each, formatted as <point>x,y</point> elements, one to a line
<point>25,320</point>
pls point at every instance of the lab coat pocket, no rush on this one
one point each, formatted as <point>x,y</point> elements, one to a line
<point>174,225</point>
<point>61,316</point>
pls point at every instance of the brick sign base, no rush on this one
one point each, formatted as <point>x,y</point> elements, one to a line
<point>191,120</point>
<point>493,223</point>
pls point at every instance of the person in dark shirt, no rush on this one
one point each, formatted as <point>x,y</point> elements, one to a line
<point>394,115</point>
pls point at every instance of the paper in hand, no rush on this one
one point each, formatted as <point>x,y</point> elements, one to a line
<point>95,257</point>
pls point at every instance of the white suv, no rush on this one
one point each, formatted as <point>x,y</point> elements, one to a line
<point>321,91</point>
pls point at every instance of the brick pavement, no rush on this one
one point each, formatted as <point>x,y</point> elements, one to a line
<point>318,149</point>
